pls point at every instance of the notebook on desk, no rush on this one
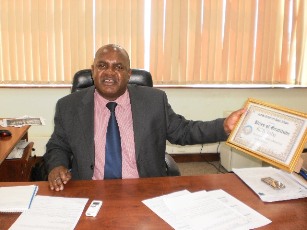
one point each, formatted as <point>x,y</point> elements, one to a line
<point>17,198</point>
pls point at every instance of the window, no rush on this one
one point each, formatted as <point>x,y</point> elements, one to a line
<point>181,42</point>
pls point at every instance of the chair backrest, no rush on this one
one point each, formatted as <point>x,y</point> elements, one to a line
<point>83,79</point>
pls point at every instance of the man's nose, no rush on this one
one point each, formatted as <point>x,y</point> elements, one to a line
<point>110,71</point>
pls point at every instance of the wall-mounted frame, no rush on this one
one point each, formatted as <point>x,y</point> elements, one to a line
<point>271,133</point>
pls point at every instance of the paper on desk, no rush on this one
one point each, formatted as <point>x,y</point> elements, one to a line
<point>205,210</point>
<point>255,219</point>
<point>215,210</point>
<point>158,206</point>
<point>50,213</point>
<point>252,177</point>
<point>17,198</point>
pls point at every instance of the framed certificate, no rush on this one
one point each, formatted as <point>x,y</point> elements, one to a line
<point>270,133</point>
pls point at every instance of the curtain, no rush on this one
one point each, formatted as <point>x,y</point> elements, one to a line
<point>121,22</point>
<point>191,42</point>
<point>229,42</point>
<point>44,41</point>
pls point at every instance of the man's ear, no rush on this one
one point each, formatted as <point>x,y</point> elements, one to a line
<point>129,73</point>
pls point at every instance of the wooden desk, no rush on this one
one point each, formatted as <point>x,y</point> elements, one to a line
<point>7,144</point>
<point>16,169</point>
<point>123,207</point>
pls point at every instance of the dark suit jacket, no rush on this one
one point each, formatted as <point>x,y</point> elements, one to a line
<point>154,122</point>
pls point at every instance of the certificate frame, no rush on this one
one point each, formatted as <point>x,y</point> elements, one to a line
<point>271,133</point>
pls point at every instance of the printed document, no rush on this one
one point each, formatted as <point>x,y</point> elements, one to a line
<point>17,198</point>
<point>158,206</point>
<point>205,210</point>
<point>252,177</point>
<point>46,212</point>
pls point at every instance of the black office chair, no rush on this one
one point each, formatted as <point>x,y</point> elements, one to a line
<point>83,79</point>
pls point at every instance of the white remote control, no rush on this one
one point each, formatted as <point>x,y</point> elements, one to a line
<point>94,208</point>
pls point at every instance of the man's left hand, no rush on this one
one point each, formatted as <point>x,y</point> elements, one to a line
<point>232,120</point>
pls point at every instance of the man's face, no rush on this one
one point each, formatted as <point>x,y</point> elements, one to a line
<point>111,72</point>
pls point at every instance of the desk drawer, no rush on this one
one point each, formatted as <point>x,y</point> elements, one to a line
<point>19,169</point>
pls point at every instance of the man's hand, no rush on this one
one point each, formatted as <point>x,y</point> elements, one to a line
<point>232,119</point>
<point>58,177</point>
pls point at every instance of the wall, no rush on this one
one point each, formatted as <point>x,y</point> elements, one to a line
<point>207,104</point>
<point>194,104</point>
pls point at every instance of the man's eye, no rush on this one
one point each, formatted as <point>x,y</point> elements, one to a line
<point>119,67</point>
<point>101,66</point>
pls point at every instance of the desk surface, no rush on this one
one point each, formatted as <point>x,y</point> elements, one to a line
<point>123,209</point>
<point>7,144</point>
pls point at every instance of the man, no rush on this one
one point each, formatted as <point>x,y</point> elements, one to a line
<point>145,121</point>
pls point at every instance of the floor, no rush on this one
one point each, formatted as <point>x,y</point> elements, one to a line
<point>198,168</point>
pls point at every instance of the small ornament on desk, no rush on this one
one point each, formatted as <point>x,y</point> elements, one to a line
<point>275,184</point>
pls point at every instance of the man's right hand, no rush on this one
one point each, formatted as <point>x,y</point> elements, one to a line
<point>58,177</point>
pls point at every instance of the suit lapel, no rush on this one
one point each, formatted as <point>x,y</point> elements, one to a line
<point>86,118</point>
<point>137,116</point>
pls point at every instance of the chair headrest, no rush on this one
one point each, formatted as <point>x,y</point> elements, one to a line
<point>141,77</point>
<point>83,79</point>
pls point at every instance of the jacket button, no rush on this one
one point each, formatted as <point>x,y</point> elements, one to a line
<point>92,167</point>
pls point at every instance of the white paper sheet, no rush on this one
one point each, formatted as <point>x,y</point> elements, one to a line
<point>158,206</point>
<point>205,210</point>
<point>215,210</point>
<point>255,219</point>
<point>50,213</point>
<point>17,198</point>
<point>252,177</point>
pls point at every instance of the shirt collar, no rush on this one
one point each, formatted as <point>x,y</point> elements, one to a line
<point>121,101</point>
